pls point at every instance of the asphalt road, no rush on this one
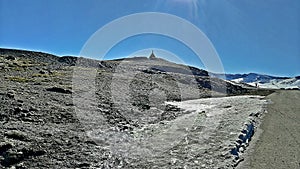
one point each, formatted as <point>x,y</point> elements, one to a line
<point>278,146</point>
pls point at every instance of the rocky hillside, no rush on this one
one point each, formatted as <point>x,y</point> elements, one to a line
<point>48,105</point>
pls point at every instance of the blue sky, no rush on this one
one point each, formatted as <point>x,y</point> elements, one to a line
<point>249,35</point>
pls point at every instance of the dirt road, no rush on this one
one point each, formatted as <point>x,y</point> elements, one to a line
<point>278,147</point>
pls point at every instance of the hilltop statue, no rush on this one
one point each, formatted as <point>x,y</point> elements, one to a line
<point>152,56</point>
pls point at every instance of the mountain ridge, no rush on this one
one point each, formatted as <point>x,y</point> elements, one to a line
<point>263,80</point>
<point>154,65</point>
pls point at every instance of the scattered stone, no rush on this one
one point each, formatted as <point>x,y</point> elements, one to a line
<point>202,112</point>
<point>20,101</point>
<point>59,90</point>
<point>228,106</point>
<point>42,72</point>
<point>91,142</point>
<point>100,65</point>
<point>69,104</point>
<point>31,152</point>
<point>12,157</point>
<point>10,94</point>
<point>33,109</point>
<point>173,161</point>
<point>4,147</point>
<point>84,164</point>
<point>17,135</point>
<point>18,110</point>
<point>10,58</point>
<point>241,149</point>
<point>255,114</point>
<point>236,162</point>
<point>37,83</point>
<point>21,166</point>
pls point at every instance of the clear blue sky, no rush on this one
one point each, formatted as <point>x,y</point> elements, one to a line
<point>249,35</point>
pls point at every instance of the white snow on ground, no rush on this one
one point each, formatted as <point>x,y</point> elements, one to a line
<point>291,83</point>
<point>241,84</point>
<point>203,136</point>
<point>223,122</point>
<point>239,80</point>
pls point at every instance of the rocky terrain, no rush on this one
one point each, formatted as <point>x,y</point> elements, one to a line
<point>72,112</point>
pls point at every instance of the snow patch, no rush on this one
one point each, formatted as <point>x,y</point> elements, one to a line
<point>229,122</point>
<point>238,80</point>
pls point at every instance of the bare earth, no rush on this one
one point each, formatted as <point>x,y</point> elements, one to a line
<point>279,144</point>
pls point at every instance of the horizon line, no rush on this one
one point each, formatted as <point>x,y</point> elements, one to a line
<point>130,56</point>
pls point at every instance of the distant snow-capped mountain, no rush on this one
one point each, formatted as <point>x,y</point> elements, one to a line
<point>290,83</point>
<point>263,81</point>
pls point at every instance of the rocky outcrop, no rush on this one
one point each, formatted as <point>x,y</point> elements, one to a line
<point>59,90</point>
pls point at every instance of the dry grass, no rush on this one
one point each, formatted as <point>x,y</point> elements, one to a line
<point>19,79</point>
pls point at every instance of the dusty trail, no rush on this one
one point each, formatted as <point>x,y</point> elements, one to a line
<point>279,144</point>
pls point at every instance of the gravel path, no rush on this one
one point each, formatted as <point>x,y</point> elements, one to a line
<point>279,144</point>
